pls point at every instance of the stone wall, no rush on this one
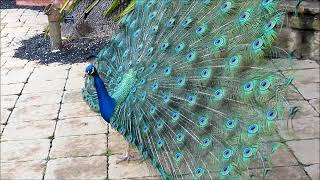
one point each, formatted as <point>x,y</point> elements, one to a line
<point>300,33</point>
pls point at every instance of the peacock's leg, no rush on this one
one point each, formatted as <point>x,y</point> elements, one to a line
<point>127,156</point>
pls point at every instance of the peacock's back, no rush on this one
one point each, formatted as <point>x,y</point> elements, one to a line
<point>203,97</point>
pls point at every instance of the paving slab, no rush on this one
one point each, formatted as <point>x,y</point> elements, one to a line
<point>307,151</point>
<point>40,98</point>
<point>294,95</point>
<point>94,167</point>
<point>306,76</point>
<point>15,64</point>
<point>13,77</point>
<point>283,157</point>
<point>309,91</point>
<point>79,109</point>
<point>2,126</point>
<point>25,150</point>
<point>29,130</point>
<point>8,102</point>
<point>305,109</point>
<point>315,103</point>
<point>80,126</point>
<point>313,171</point>
<point>305,64</point>
<point>35,113</point>
<point>283,173</point>
<point>75,83</point>
<point>77,70</point>
<point>17,25</point>
<point>302,128</point>
<point>44,86</point>
<point>49,73</point>
<point>4,115</point>
<point>131,169</point>
<point>11,89</point>
<point>21,170</point>
<point>72,96</point>
<point>88,145</point>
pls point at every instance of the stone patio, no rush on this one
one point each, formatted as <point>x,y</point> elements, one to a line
<point>48,132</point>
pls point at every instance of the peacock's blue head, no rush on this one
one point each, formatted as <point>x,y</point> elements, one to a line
<point>90,70</point>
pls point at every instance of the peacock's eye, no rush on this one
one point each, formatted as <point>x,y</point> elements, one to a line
<point>180,47</point>
<point>226,170</point>
<point>218,93</point>
<point>187,22</point>
<point>160,143</point>
<point>265,84</point>
<point>248,86</point>
<point>149,4</point>
<point>145,129</point>
<point>218,42</point>
<point>252,129</point>
<point>271,115</point>
<point>152,15</point>
<point>170,23</point>
<point>230,123</point>
<point>190,98</point>
<point>142,81</point>
<point>175,116</point>
<point>257,44</point>
<point>178,156</point>
<point>181,81</point>
<point>270,25</point>
<point>167,71</point>
<point>206,142</point>
<point>164,46</point>
<point>201,30</point>
<point>205,73</point>
<point>203,121</point>
<point>225,7</point>
<point>247,152</point>
<point>154,29</point>
<point>199,172</point>
<point>227,153</point>
<point>266,2</point>
<point>180,137</point>
<point>166,98</point>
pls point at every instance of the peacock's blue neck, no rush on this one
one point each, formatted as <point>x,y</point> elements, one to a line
<point>106,102</point>
<point>109,104</point>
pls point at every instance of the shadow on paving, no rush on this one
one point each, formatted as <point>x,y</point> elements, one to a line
<point>37,49</point>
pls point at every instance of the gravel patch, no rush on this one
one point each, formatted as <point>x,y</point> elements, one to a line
<point>37,49</point>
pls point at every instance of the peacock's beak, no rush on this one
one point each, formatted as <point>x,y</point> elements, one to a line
<point>85,75</point>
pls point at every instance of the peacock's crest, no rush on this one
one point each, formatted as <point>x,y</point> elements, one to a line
<point>194,88</point>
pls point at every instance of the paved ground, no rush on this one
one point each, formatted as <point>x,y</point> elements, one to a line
<point>48,132</point>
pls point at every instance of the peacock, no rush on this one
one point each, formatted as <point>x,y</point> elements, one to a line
<point>194,85</point>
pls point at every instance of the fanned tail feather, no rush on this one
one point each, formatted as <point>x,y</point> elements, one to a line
<point>207,97</point>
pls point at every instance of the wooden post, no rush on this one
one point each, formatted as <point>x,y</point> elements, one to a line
<point>53,14</point>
